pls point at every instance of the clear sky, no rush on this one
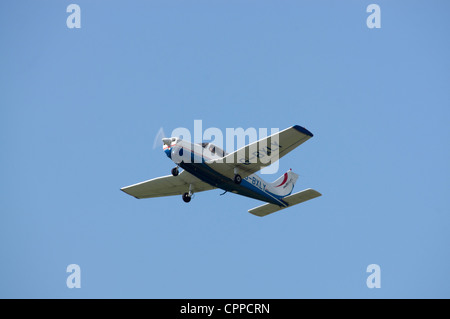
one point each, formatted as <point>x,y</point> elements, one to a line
<point>80,108</point>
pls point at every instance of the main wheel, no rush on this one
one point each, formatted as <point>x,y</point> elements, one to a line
<point>237,179</point>
<point>186,197</point>
<point>175,171</point>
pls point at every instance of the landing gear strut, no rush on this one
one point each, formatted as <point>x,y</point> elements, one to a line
<point>175,171</point>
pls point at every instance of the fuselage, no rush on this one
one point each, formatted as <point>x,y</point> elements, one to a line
<point>193,158</point>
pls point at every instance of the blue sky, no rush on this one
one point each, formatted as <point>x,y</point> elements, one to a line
<point>80,109</point>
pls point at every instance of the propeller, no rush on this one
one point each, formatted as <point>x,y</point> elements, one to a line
<point>167,141</point>
<point>160,136</point>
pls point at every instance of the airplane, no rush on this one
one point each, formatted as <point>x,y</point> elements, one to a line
<point>206,167</point>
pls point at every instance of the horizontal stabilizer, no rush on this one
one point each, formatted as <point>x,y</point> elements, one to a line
<point>291,200</point>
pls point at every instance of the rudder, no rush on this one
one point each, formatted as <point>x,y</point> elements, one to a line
<point>284,185</point>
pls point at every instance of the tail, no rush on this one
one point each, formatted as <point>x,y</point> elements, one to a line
<point>284,185</point>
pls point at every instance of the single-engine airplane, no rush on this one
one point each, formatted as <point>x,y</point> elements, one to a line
<point>206,166</point>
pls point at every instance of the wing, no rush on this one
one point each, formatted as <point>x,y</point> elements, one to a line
<point>167,186</point>
<point>253,157</point>
<point>292,200</point>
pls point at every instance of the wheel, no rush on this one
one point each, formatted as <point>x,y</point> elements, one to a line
<point>237,179</point>
<point>175,171</point>
<point>186,197</point>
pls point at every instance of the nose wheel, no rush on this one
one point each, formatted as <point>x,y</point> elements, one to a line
<point>175,171</point>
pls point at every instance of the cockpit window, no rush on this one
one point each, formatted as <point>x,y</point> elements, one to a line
<point>215,150</point>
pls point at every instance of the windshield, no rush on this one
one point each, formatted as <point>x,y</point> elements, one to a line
<point>215,150</point>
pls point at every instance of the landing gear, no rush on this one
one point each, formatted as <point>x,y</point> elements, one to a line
<point>237,177</point>
<point>186,197</point>
<point>175,171</point>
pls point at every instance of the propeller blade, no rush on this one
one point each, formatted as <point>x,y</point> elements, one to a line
<point>160,135</point>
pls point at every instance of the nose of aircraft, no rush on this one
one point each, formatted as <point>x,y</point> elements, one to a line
<point>167,146</point>
<point>167,141</point>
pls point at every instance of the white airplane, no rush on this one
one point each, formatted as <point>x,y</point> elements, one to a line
<point>206,166</point>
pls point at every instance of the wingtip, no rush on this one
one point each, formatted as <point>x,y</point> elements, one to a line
<point>303,130</point>
<point>123,190</point>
